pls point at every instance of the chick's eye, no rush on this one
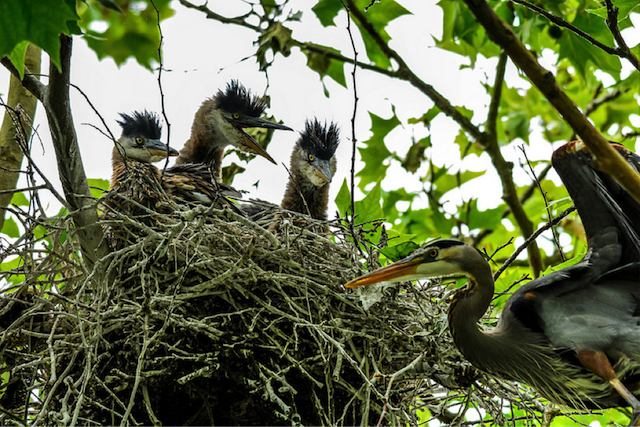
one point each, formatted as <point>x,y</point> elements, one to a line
<point>311,157</point>
<point>433,253</point>
<point>139,140</point>
<point>236,115</point>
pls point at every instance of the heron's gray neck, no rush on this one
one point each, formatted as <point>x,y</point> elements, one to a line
<point>466,309</point>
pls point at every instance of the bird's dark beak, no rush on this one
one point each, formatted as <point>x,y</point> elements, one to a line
<point>256,122</point>
<point>324,167</point>
<point>159,149</point>
<point>251,145</point>
<point>400,271</point>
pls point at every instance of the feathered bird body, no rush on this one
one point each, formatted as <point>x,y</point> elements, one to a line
<point>313,165</point>
<point>192,183</point>
<point>552,324</point>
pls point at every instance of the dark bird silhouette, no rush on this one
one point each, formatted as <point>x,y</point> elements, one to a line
<point>220,122</point>
<point>313,165</point>
<point>134,175</point>
<point>574,334</point>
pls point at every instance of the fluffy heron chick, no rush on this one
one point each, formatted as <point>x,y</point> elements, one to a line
<point>220,122</point>
<point>313,165</point>
<point>134,175</point>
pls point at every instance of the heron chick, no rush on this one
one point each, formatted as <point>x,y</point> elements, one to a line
<point>219,122</point>
<point>134,175</point>
<point>313,165</point>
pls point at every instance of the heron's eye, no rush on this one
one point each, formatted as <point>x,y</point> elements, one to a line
<point>236,116</point>
<point>139,141</point>
<point>311,157</point>
<point>433,253</point>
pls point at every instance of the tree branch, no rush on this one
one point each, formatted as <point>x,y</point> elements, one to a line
<point>564,24</point>
<point>489,141</point>
<point>29,81</point>
<point>212,15</point>
<point>10,153</point>
<point>65,142</point>
<point>405,73</point>
<point>622,50</point>
<point>607,159</point>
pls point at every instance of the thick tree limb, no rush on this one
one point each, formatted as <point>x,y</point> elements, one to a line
<point>70,168</point>
<point>489,141</point>
<point>608,160</point>
<point>55,99</point>
<point>10,152</point>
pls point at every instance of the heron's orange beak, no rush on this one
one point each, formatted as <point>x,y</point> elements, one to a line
<point>400,271</point>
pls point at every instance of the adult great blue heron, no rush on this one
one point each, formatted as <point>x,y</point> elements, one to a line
<point>574,335</point>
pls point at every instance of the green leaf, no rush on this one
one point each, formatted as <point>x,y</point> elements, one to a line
<point>517,126</point>
<point>38,21</point>
<point>229,172</point>
<point>326,66</point>
<point>462,34</point>
<point>276,38</point>
<point>369,209</point>
<point>10,228</point>
<point>98,186</point>
<point>487,219</point>
<point>580,52</point>
<point>326,11</point>
<point>17,56</point>
<point>398,252</point>
<point>441,223</point>
<point>343,198</point>
<point>445,182</point>
<point>375,153</point>
<point>389,200</point>
<point>415,156</point>
<point>19,199</point>
<point>110,4</point>
<point>625,7</point>
<point>131,34</point>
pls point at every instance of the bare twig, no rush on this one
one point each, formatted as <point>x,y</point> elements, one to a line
<point>546,202</point>
<point>535,235</point>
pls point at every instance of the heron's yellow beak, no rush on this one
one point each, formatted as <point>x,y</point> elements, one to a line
<point>400,271</point>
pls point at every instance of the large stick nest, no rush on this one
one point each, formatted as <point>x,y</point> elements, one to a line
<point>204,317</point>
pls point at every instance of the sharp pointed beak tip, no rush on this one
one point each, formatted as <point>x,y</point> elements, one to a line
<point>160,149</point>
<point>252,146</point>
<point>324,168</point>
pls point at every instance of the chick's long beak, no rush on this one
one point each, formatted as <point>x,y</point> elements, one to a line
<point>256,122</point>
<point>400,271</point>
<point>324,167</point>
<point>251,145</point>
<point>159,149</point>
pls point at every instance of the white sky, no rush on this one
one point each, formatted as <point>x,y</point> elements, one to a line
<point>202,55</point>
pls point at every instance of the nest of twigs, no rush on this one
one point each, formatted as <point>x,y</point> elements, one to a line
<point>206,318</point>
